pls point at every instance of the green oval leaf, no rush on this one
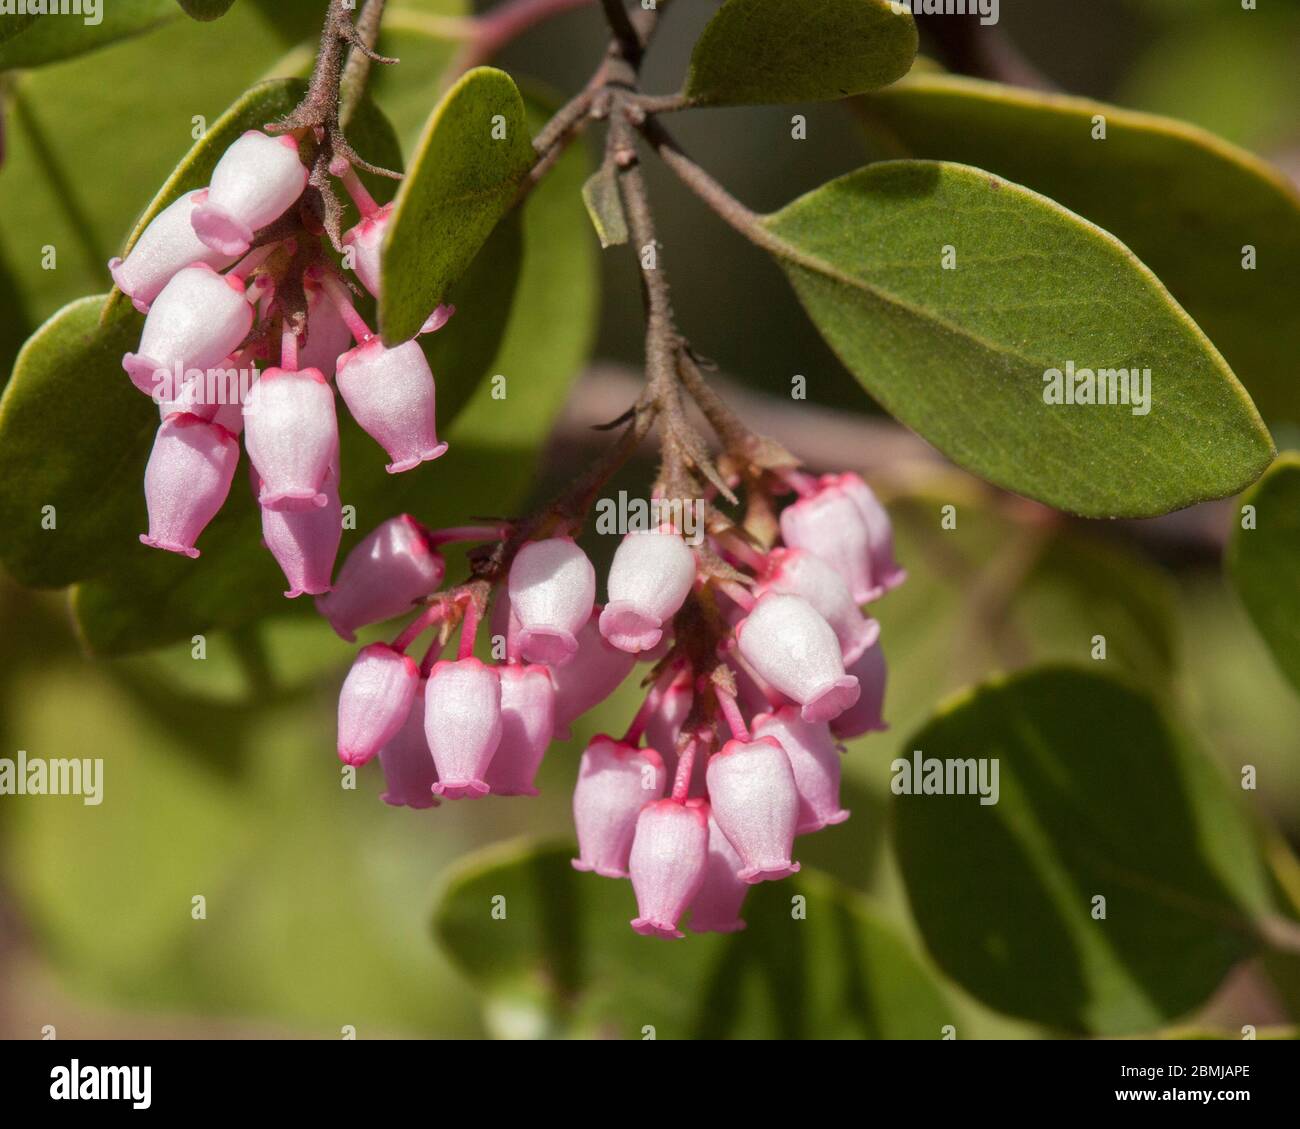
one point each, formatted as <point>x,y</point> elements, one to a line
<point>1264,561</point>
<point>205,10</point>
<point>1098,796</point>
<point>462,178</point>
<point>765,51</point>
<point>960,355</point>
<point>53,37</point>
<point>1189,204</point>
<point>565,961</point>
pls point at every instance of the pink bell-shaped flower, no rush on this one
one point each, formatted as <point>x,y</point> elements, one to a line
<point>756,804</point>
<point>389,569</point>
<point>375,701</point>
<point>527,725</point>
<point>190,470</point>
<point>552,588</point>
<point>596,670</point>
<point>305,543</point>
<point>791,647</point>
<point>254,183</point>
<point>166,246</point>
<point>390,394</point>
<point>197,320</point>
<point>885,570</point>
<point>716,908</point>
<point>462,722</point>
<point>615,781</point>
<point>668,861</point>
<point>365,241</point>
<point>328,336</point>
<point>649,580</point>
<point>797,572</point>
<point>292,436</point>
<point>829,525</point>
<point>815,761</point>
<point>865,715</point>
<point>409,772</point>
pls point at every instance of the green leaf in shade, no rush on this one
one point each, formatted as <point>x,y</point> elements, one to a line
<point>205,10</point>
<point>15,24</point>
<point>1099,796</point>
<point>462,178</point>
<point>564,960</point>
<point>769,51</point>
<point>53,38</point>
<point>1185,201</point>
<point>1264,561</point>
<point>960,355</point>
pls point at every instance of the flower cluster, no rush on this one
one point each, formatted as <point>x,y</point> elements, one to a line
<point>231,277</point>
<point>762,661</point>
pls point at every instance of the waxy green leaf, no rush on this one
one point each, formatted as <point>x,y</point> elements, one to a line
<point>1220,227</point>
<point>52,37</point>
<point>1113,842</point>
<point>565,961</point>
<point>462,178</point>
<point>1264,560</point>
<point>771,51</point>
<point>965,304</point>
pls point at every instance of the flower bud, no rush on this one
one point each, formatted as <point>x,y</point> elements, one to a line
<point>667,863</point>
<point>596,671</point>
<point>649,580</point>
<point>756,804</point>
<point>791,647</point>
<point>166,246</point>
<point>716,908</point>
<point>305,543</point>
<point>408,767</point>
<point>254,183</point>
<point>388,570</point>
<point>880,530</point>
<point>462,723</point>
<point>815,762</point>
<point>615,781</point>
<point>292,436</point>
<point>375,701</point>
<point>328,336</point>
<point>190,470</point>
<point>796,572</point>
<point>830,525</point>
<point>390,394</point>
<point>552,588</point>
<point>198,319</point>
<point>864,716</point>
<point>527,725</point>
<point>365,241</point>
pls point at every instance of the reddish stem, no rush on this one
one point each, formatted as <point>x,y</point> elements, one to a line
<point>365,203</point>
<point>289,348</point>
<point>434,613</point>
<point>731,711</point>
<point>685,767</point>
<point>469,629</point>
<point>338,294</point>
<point>652,700</point>
<point>437,537</point>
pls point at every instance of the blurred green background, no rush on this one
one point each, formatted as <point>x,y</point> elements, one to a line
<point>221,779</point>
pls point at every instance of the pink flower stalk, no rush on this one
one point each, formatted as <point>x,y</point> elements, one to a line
<point>328,336</point>
<point>791,647</point>
<point>388,570</point>
<point>375,701</point>
<point>667,864</point>
<point>186,482</point>
<point>165,247</point>
<point>365,241</point>
<point>409,772</point>
<point>815,761</point>
<point>390,393</point>
<point>197,320</point>
<point>306,542</point>
<point>649,580</point>
<point>527,725</point>
<point>292,436</point>
<point>664,727</point>
<point>797,572</point>
<point>552,588</point>
<point>462,723</point>
<point>756,804</point>
<point>256,181</point>
<point>880,530</point>
<point>829,524</point>
<point>596,671</point>
<point>865,715</point>
<point>716,907</point>
<point>615,781</point>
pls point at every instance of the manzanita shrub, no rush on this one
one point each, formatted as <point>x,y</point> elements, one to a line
<point>290,291</point>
